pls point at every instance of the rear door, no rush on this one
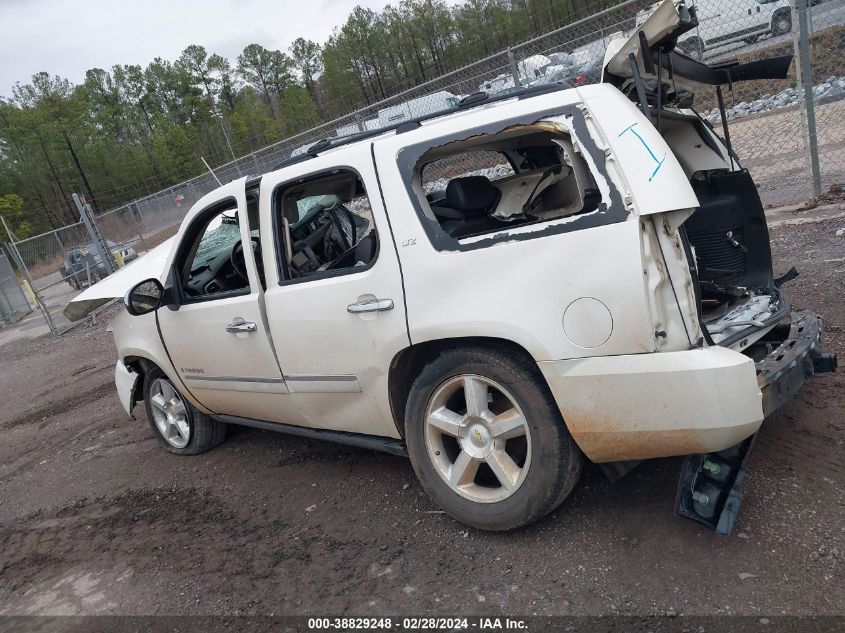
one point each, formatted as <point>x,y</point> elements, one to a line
<point>335,302</point>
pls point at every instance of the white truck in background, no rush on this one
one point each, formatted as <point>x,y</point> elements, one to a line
<point>722,22</point>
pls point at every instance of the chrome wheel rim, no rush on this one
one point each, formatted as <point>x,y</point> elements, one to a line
<point>477,438</point>
<point>170,413</point>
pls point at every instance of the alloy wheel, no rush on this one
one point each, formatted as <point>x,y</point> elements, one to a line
<point>477,438</point>
<point>170,413</point>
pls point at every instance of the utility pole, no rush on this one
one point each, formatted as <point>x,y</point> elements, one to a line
<point>218,114</point>
<point>80,170</point>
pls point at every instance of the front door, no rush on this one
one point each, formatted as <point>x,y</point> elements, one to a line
<point>336,307</point>
<point>217,338</point>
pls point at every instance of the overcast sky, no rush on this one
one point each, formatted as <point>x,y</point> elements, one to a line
<point>67,37</point>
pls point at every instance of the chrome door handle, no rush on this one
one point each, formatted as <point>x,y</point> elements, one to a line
<point>236,327</point>
<point>371,305</point>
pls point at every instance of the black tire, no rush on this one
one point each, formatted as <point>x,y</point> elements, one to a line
<point>73,283</point>
<point>782,23</point>
<point>556,461</point>
<point>205,432</point>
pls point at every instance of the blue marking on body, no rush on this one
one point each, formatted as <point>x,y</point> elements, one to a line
<point>659,161</point>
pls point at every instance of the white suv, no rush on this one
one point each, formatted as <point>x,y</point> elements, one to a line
<point>501,291</point>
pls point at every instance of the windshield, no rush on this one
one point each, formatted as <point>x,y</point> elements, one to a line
<point>220,234</point>
<point>305,205</point>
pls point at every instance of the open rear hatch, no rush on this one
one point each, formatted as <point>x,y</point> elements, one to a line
<point>726,240</point>
<point>727,237</point>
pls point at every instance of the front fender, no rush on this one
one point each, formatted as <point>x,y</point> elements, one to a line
<point>128,384</point>
<point>137,337</point>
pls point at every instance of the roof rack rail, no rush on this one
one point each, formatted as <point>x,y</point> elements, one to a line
<point>470,101</point>
<point>473,99</point>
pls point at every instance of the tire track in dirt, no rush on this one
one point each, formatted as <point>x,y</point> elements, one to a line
<point>146,530</point>
<point>58,407</point>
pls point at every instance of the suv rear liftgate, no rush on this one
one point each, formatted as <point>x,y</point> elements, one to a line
<point>740,303</point>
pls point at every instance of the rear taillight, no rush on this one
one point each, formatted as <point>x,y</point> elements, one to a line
<point>580,80</point>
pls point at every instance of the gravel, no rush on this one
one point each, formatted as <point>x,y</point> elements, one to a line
<point>831,90</point>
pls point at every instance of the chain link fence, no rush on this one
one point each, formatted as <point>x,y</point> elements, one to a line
<point>13,302</point>
<point>788,133</point>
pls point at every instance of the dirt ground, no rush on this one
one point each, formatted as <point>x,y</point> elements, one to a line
<point>95,518</point>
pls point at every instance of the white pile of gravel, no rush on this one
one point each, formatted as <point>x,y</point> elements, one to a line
<point>831,90</point>
<point>492,173</point>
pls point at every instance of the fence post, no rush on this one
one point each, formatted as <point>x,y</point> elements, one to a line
<point>137,221</point>
<point>98,242</point>
<point>805,82</point>
<point>13,249</point>
<point>7,303</point>
<point>514,69</point>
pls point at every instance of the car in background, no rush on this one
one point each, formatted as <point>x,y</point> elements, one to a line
<point>498,84</point>
<point>722,23</point>
<point>584,64</point>
<point>83,265</point>
<point>414,108</point>
<point>586,70</point>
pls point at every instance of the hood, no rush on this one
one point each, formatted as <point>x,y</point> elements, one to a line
<point>656,39</point>
<point>117,284</point>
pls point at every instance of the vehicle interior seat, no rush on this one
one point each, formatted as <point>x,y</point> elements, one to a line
<point>365,250</point>
<point>467,206</point>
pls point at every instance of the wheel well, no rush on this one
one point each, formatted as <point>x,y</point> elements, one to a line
<point>408,364</point>
<point>141,366</point>
<point>780,13</point>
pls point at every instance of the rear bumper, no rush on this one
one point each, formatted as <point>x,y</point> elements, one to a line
<point>797,358</point>
<point>643,406</point>
<point>708,491</point>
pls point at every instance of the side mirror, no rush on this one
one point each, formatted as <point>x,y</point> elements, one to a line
<point>144,297</point>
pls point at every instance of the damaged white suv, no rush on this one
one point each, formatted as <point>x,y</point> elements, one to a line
<point>501,291</point>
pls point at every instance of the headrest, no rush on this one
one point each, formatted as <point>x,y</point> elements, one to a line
<point>474,194</point>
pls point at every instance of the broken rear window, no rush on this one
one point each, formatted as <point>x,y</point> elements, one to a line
<point>492,183</point>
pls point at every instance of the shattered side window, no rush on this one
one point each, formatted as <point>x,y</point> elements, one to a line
<point>436,175</point>
<point>525,176</point>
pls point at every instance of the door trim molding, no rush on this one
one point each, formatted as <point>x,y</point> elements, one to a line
<point>298,383</point>
<point>236,383</point>
<point>315,383</point>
